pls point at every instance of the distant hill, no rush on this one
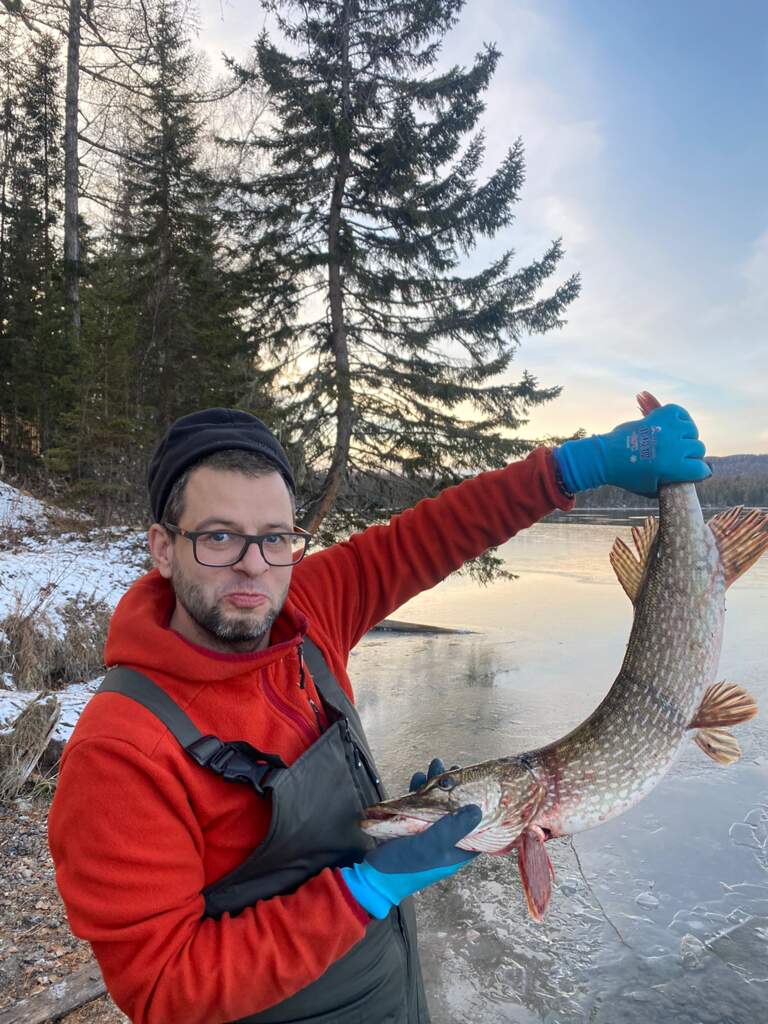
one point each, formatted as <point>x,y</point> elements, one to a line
<point>739,465</point>
<point>735,480</point>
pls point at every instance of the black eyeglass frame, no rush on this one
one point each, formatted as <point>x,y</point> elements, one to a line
<point>248,539</point>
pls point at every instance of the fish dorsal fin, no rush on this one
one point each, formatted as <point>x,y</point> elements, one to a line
<point>741,539</point>
<point>630,568</point>
<point>719,744</point>
<point>724,704</point>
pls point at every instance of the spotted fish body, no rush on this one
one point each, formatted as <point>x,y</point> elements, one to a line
<point>677,581</point>
<point>617,756</point>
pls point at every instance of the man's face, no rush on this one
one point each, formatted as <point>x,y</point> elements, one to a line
<point>233,607</point>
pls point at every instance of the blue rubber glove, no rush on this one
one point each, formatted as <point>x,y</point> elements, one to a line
<point>661,448</point>
<point>419,779</point>
<point>400,867</point>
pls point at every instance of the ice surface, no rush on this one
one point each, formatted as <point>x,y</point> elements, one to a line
<point>682,879</point>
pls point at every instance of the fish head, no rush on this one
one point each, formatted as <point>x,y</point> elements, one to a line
<point>506,791</point>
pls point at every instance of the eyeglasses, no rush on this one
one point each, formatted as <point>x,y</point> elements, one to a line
<point>216,548</point>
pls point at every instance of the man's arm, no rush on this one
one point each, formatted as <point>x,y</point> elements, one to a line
<point>129,852</point>
<point>352,586</point>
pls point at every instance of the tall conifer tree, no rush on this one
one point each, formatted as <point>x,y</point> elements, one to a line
<point>161,334</point>
<point>34,349</point>
<point>191,344</point>
<point>395,357</point>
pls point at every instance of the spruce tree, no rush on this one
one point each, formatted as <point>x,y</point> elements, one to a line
<point>393,357</point>
<point>160,305</point>
<point>35,354</point>
<point>191,347</point>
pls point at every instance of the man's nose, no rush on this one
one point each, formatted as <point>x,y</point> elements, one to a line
<point>252,561</point>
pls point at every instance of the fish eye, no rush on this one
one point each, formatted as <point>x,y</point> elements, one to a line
<point>446,782</point>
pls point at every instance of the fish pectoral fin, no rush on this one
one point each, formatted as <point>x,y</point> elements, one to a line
<point>724,704</point>
<point>741,539</point>
<point>536,873</point>
<point>496,839</point>
<point>505,849</point>
<point>516,815</point>
<point>719,744</point>
<point>630,568</point>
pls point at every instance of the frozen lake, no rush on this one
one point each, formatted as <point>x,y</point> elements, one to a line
<point>683,877</point>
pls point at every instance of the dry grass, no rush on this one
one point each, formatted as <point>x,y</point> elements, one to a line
<point>41,657</point>
<point>23,746</point>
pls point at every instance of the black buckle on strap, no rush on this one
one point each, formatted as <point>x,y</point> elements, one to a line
<point>237,761</point>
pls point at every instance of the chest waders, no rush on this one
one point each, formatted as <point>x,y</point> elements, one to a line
<point>316,805</point>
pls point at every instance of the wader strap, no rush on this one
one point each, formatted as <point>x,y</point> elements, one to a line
<point>324,679</point>
<point>236,761</point>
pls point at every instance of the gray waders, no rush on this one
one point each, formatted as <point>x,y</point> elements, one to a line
<point>316,805</point>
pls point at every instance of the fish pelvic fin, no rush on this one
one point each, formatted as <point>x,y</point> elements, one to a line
<point>630,568</point>
<point>536,872</point>
<point>724,704</point>
<point>742,537</point>
<point>719,744</point>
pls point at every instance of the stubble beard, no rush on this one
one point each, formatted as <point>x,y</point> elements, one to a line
<point>232,631</point>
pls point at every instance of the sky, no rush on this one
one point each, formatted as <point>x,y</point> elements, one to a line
<point>644,129</point>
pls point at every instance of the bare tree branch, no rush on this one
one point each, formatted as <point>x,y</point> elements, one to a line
<point>115,152</point>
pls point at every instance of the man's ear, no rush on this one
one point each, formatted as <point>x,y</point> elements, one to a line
<point>161,549</point>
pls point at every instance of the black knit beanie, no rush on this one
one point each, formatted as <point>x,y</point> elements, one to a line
<point>193,437</point>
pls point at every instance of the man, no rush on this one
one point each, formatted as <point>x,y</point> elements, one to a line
<point>204,829</point>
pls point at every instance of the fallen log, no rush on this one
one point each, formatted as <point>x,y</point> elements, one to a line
<point>59,999</point>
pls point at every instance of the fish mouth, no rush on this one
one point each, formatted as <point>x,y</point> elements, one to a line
<point>379,812</point>
<point>400,811</point>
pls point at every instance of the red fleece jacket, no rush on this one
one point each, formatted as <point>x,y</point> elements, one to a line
<point>137,830</point>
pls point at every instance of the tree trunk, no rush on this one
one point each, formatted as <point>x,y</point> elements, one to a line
<point>322,505</point>
<point>4,171</point>
<point>71,171</point>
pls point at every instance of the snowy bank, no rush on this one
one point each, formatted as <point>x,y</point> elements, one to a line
<point>41,571</point>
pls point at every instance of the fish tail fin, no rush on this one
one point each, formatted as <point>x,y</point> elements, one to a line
<point>647,402</point>
<point>719,744</point>
<point>742,537</point>
<point>724,704</point>
<point>536,872</point>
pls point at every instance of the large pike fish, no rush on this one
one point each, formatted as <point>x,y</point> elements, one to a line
<point>677,580</point>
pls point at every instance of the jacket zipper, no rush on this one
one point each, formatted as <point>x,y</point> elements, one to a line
<point>303,686</point>
<point>290,713</point>
<point>361,758</point>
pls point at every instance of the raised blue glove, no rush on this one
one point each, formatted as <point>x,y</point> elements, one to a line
<point>661,448</point>
<point>400,867</point>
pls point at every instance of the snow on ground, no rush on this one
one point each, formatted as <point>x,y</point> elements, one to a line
<point>101,565</point>
<point>71,700</point>
<point>18,510</point>
<point>44,572</point>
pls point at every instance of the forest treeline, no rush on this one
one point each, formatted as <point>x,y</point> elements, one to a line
<point>735,480</point>
<point>290,239</point>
